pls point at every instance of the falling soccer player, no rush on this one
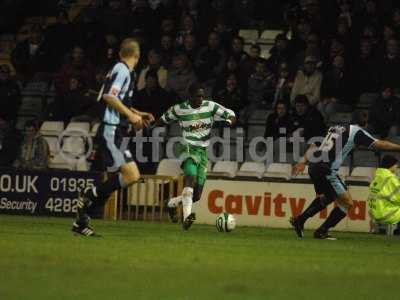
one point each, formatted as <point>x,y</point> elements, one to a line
<point>329,188</point>
<point>116,93</point>
<point>196,117</point>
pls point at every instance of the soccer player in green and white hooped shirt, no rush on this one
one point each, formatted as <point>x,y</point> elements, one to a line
<point>196,117</point>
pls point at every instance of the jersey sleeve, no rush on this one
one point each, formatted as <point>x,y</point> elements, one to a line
<point>222,112</point>
<point>363,138</point>
<point>115,81</point>
<point>170,115</point>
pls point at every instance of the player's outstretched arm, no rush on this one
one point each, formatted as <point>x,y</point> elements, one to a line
<point>385,145</point>
<point>301,165</point>
<point>115,103</point>
<point>147,118</point>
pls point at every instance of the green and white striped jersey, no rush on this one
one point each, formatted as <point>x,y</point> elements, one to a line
<point>196,123</point>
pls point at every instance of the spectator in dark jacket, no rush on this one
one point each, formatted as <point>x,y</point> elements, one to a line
<point>10,139</point>
<point>10,96</point>
<point>391,64</point>
<point>153,97</point>
<point>231,95</point>
<point>280,52</point>
<point>31,55</point>
<point>384,113</point>
<point>307,119</point>
<point>78,65</point>
<point>279,123</point>
<point>210,60</point>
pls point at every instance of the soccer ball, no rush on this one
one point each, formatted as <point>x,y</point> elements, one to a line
<point>225,222</point>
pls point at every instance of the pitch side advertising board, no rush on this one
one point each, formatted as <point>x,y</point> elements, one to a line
<point>271,204</point>
<point>41,193</point>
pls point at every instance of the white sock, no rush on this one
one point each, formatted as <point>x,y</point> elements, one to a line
<point>187,201</point>
<point>174,202</point>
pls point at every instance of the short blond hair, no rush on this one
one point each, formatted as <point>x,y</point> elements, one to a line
<point>129,47</point>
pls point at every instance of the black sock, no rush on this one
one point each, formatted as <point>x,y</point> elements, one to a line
<point>104,191</point>
<point>333,219</point>
<point>315,207</point>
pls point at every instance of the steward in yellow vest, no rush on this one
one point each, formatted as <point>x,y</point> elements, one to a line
<point>384,193</point>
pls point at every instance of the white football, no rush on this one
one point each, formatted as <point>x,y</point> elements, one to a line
<point>225,222</point>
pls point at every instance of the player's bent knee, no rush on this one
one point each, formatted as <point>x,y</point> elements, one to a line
<point>346,200</point>
<point>130,173</point>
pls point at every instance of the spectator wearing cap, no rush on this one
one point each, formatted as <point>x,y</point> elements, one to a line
<point>384,114</point>
<point>307,120</point>
<point>384,196</point>
<point>34,151</point>
<point>10,95</point>
<point>153,64</point>
<point>308,82</point>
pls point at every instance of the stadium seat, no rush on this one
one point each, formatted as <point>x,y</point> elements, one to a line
<point>252,169</point>
<point>268,36</point>
<point>82,165</point>
<point>249,35</point>
<point>254,131</point>
<point>259,116</point>
<point>35,88</point>
<point>365,158</point>
<point>52,128</point>
<point>209,166</point>
<point>59,162</point>
<point>277,170</point>
<point>53,144</point>
<point>169,167</point>
<point>365,174</point>
<point>225,168</point>
<point>83,127</point>
<point>31,105</point>
<point>366,100</point>
<point>74,145</point>
<point>344,171</point>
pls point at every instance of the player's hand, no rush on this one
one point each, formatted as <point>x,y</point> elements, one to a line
<point>147,119</point>
<point>136,121</point>
<point>298,168</point>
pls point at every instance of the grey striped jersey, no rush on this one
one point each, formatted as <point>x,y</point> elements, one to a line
<point>196,123</point>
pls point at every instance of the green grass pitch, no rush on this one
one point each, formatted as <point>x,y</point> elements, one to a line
<point>40,259</point>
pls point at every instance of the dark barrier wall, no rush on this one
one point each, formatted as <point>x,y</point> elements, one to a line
<point>50,193</point>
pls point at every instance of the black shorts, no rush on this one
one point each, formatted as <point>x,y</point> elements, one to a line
<point>326,181</point>
<point>110,139</point>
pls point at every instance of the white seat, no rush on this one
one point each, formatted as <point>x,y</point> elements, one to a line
<point>344,171</point>
<point>249,35</point>
<point>53,144</point>
<point>252,169</point>
<point>74,146</point>
<point>82,165</point>
<point>59,162</point>
<point>83,127</point>
<point>365,174</point>
<point>169,167</point>
<point>277,170</point>
<point>52,128</point>
<point>35,88</point>
<point>31,105</point>
<point>225,168</point>
<point>268,36</point>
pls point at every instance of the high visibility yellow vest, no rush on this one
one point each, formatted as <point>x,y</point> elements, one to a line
<point>384,197</point>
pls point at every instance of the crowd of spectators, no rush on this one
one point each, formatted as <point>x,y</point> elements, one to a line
<point>330,54</point>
